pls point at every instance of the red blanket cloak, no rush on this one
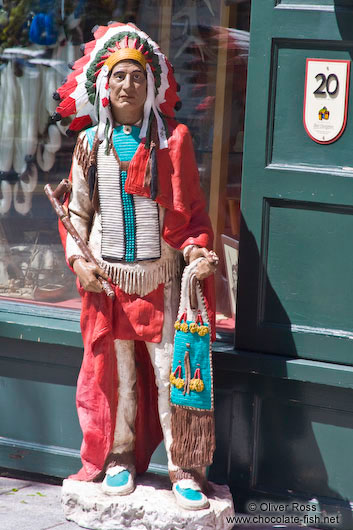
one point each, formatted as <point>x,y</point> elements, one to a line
<point>96,397</point>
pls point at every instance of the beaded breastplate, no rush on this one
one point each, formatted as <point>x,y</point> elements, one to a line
<point>130,223</point>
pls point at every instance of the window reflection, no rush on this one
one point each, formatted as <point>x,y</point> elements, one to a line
<point>207,41</point>
<point>33,151</point>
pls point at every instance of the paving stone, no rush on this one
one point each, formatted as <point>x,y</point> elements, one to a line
<point>7,484</point>
<point>31,506</point>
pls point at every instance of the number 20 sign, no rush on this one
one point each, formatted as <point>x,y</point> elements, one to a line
<point>326,99</point>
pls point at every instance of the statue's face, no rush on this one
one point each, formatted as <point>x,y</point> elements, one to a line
<point>128,87</point>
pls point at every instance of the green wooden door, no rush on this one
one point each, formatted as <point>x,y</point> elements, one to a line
<point>296,253</point>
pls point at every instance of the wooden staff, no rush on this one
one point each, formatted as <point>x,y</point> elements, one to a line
<point>54,196</point>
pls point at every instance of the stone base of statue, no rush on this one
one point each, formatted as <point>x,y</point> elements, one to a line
<point>150,506</point>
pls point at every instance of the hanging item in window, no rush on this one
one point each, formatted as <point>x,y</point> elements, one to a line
<point>36,46</point>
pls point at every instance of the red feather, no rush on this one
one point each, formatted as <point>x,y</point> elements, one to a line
<point>80,123</point>
<point>67,107</point>
<point>89,48</point>
<point>171,95</point>
<point>100,32</point>
<point>132,25</point>
<point>80,63</point>
<point>66,89</point>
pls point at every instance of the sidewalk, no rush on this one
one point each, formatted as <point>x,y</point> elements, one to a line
<point>27,503</point>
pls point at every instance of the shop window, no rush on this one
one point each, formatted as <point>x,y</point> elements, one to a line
<point>207,42</point>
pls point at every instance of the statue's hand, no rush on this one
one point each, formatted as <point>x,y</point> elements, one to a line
<point>207,266</point>
<point>87,274</point>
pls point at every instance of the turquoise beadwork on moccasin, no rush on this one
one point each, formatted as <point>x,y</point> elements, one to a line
<point>118,480</point>
<point>189,493</point>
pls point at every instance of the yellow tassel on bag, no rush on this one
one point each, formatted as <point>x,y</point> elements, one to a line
<point>193,327</point>
<point>178,382</point>
<point>197,384</point>
<point>202,331</point>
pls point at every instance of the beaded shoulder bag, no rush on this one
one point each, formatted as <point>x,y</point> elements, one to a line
<point>191,378</point>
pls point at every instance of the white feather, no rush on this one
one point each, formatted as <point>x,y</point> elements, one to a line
<point>102,113</point>
<point>150,104</point>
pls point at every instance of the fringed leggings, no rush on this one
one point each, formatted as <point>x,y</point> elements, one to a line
<point>161,359</point>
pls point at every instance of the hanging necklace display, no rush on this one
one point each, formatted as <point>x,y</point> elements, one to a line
<point>8,98</point>
<point>6,199</point>
<point>22,198</point>
<point>46,153</point>
<point>26,105</point>
<point>29,178</point>
<point>26,133</point>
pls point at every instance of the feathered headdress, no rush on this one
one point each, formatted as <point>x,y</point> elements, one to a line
<point>85,92</point>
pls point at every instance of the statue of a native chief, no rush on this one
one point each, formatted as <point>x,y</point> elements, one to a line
<point>136,202</point>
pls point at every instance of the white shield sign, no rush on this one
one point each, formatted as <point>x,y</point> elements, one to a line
<point>326,99</point>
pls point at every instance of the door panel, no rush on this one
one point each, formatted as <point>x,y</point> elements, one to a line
<point>296,258</point>
<point>289,145</point>
<point>300,238</point>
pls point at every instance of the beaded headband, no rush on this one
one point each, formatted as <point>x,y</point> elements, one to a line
<point>123,55</point>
